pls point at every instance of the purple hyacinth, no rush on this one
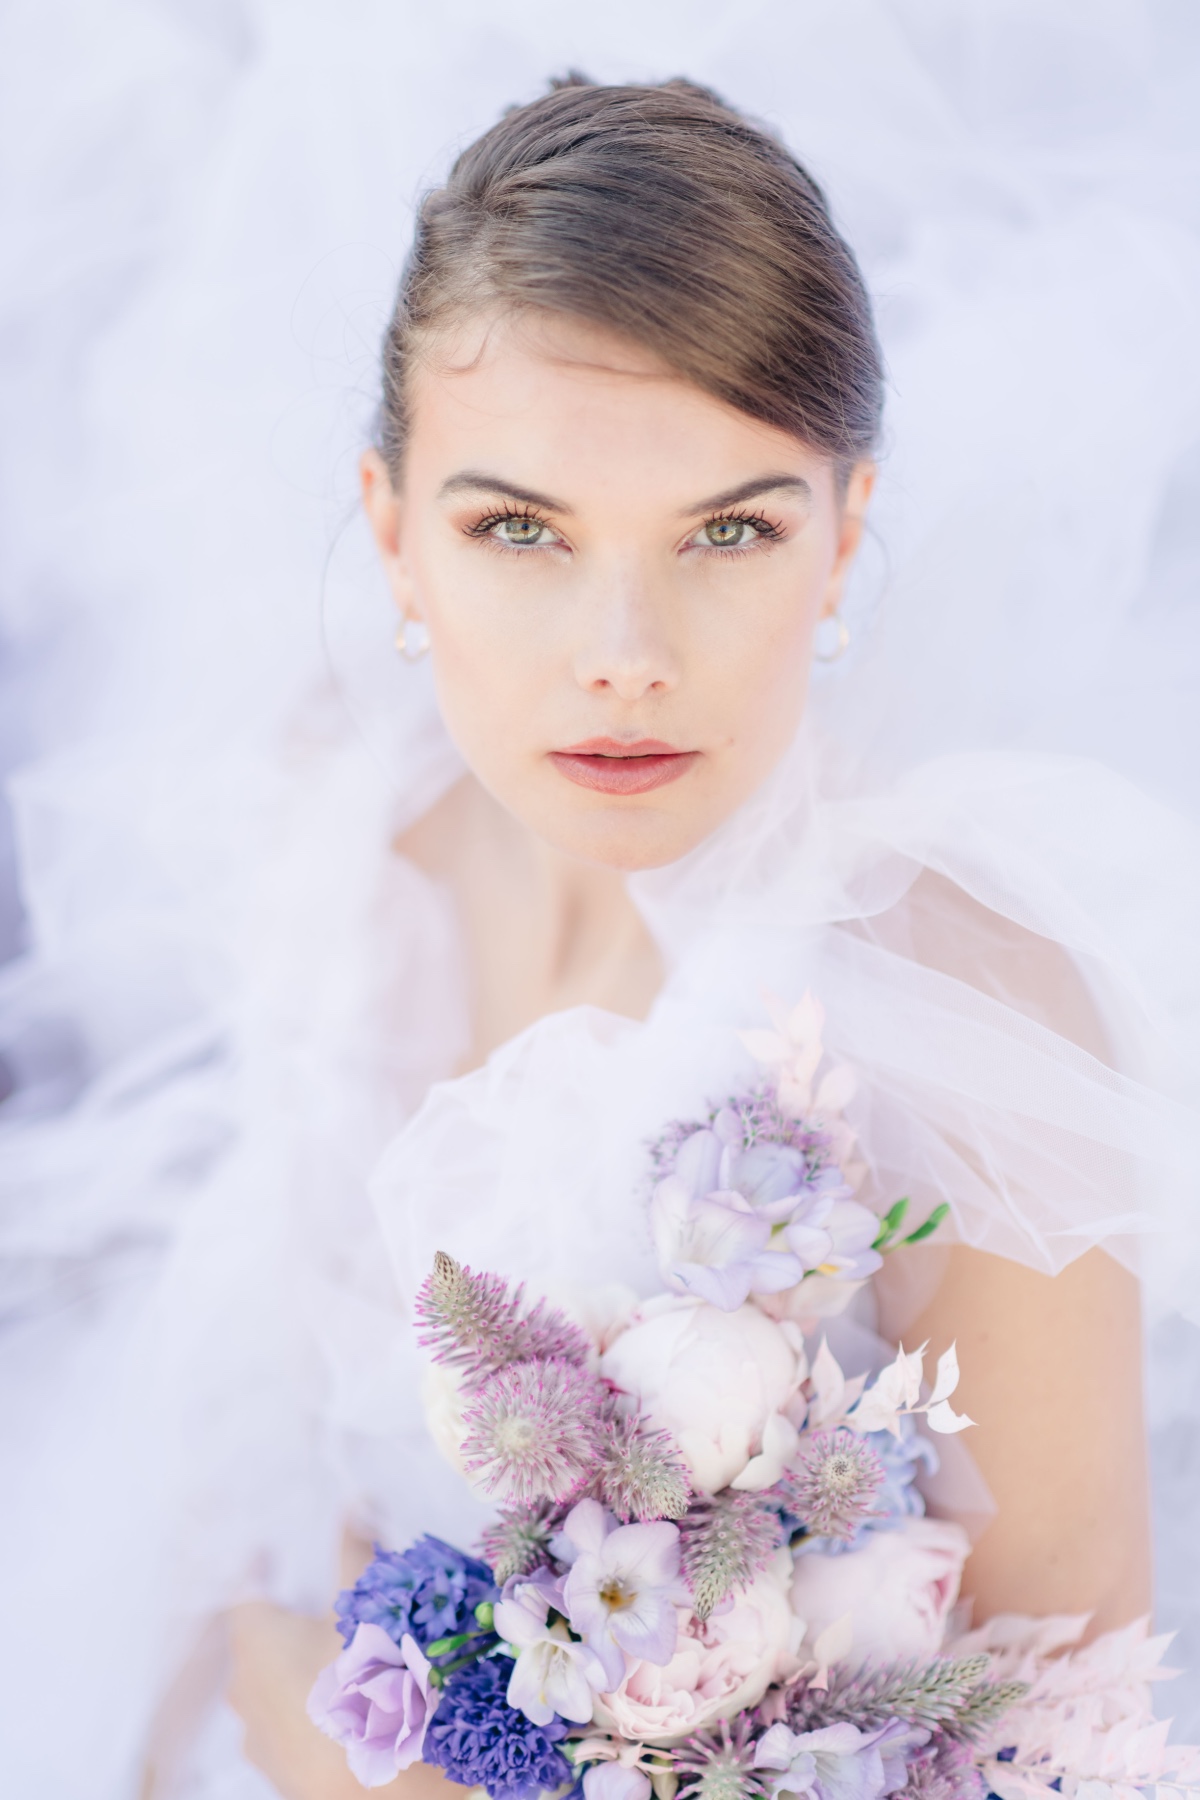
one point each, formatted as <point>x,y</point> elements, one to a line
<point>482,1741</point>
<point>429,1591</point>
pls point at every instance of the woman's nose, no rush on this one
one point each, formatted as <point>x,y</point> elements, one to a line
<point>625,643</point>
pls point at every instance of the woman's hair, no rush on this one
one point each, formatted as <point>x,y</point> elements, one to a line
<point>663,215</point>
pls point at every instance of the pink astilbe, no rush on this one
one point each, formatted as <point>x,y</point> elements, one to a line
<point>833,1484</point>
<point>535,1432</point>
<point>477,1324</point>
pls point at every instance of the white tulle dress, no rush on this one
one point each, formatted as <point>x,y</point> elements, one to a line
<point>235,1135</point>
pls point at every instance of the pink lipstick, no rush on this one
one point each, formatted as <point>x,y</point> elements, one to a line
<point>609,766</point>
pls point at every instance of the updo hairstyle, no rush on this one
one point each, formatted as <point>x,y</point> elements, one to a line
<point>665,216</point>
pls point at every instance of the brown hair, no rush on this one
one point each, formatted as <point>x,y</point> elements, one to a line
<point>662,214</point>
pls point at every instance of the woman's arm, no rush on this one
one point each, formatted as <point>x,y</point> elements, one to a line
<point>276,1657</point>
<point>1052,1374</point>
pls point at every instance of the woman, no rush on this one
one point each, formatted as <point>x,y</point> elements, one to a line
<point>617,504</point>
<point>632,397</point>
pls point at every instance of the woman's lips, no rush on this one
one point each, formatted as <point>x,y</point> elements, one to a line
<point>610,767</point>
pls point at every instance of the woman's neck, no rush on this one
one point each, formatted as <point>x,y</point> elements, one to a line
<point>542,931</point>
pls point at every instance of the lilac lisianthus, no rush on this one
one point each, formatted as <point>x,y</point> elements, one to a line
<point>552,1673</point>
<point>623,1587</point>
<point>374,1700</point>
<point>837,1762</point>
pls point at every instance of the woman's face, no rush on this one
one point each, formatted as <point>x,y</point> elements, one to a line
<point>620,576</point>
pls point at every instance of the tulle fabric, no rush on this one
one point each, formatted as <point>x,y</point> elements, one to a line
<point>238,1002</point>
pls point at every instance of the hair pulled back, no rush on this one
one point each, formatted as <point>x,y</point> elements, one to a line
<point>662,214</point>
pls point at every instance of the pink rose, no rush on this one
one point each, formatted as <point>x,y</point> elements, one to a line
<point>898,1589</point>
<point>375,1701</point>
<point>719,1667</point>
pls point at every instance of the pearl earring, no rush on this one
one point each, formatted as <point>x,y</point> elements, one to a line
<point>841,642</point>
<point>412,639</point>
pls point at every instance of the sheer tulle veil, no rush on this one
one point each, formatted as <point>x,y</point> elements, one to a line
<point>214,736</point>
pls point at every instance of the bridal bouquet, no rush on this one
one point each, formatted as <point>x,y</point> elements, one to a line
<point>710,1573</point>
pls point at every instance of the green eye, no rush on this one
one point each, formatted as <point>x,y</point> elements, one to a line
<point>726,534</point>
<point>520,530</point>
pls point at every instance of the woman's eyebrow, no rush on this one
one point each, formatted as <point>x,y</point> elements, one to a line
<point>749,490</point>
<point>478,481</point>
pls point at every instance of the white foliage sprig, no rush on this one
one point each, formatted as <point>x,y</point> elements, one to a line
<point>895,1394</point>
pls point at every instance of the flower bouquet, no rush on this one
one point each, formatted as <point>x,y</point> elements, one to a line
<point>710,1572</point>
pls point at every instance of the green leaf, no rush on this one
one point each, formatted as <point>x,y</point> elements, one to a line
<point>931,1224</point>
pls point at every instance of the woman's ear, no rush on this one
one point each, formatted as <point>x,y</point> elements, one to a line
<point>853,521</point>
<point>384,511</point>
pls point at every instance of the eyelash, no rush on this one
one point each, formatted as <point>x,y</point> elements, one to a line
<point>482,527</point>
<point>765,530</point>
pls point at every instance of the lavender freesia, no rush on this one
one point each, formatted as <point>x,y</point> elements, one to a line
<point>733,1218</point>
<point>553,1674</point>
<point>622,1588</point>
<point>375,1701</point>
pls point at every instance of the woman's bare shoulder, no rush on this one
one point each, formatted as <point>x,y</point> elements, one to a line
<point>939,925</point>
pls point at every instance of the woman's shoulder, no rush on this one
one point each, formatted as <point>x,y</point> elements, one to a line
<point>940,926</point>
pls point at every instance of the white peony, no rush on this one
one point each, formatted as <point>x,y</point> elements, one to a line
<point>717,1381</point>
<point>719,1667</point>
<point>443,1400</point>
<point>898,1589</point>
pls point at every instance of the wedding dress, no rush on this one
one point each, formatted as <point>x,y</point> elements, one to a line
<point>236,1137</point>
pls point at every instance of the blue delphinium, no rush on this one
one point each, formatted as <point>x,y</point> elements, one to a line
<point>430,1591</point>
<point>482,1741</point>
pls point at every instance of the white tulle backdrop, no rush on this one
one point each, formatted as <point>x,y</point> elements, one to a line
<point>207,202</point>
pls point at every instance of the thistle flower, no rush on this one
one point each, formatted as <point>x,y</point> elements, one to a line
<point>643,1475</point>
<point>519,1540</point>
<point>719,1765</point>
<point>944,1770</point>
<point>473,1323</point>
<point>726,1540</point>
<point>833,1483</point>
<point>534,1432</point>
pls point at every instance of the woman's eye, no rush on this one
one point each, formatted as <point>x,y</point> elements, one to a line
<point>522,532</point>
<point>724,534</point>
<point>732,534</point>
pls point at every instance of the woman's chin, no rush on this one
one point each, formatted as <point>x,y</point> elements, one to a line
<point>620,836</point>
